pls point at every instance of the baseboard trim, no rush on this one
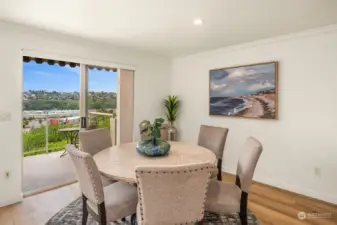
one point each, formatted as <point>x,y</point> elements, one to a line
<point>326,198</point>
<point>12,201</point>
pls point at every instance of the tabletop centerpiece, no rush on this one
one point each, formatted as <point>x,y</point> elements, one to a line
<point>153,145</point>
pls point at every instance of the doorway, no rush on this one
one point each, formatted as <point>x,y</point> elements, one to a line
<point>59,96</point>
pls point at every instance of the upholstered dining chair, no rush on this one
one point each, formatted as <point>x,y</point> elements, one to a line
<point>94,141</point>
<point>172,195</point>
<point>214,139</point>
<point>226,198</point>
<point>105,204</point>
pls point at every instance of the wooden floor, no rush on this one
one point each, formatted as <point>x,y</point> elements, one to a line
<point>272,206</point>
<point>37,209</point>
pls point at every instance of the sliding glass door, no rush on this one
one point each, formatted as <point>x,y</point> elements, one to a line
<point>59,99</point>
<point>50,102</point>
<point>102,100</point>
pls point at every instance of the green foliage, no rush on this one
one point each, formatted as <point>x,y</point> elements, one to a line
<point>52,147</point>
<point>98,121</point>
<point>44,100</point>
<point>25,123</point>
<point>50,104</point>
<point>101,100</point>
<point>153,128</point>
<point>34,142</point>
<point>172,104</point>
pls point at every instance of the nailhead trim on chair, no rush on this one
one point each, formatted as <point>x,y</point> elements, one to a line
<point>94,183</point>
<point>172,172</point>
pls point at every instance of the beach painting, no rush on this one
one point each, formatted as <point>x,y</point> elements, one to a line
<point>244,91</point>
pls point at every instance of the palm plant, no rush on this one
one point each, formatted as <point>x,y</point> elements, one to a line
<point>172,104</point>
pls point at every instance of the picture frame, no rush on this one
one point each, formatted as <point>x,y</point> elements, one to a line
<point>246,91</point>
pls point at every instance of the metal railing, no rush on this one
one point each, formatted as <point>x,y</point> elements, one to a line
<point>112,124</point>
<point>37,122</point>
<point>42,124</point>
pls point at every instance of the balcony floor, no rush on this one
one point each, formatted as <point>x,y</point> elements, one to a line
<point>47,170</point>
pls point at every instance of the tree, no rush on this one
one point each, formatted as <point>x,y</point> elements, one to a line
<point>25,123</point>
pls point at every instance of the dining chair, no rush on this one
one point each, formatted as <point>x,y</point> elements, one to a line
<point>105,204</point>
<point>227,198</point>
<point>214,139</point>
<point>94,141</point>
<point>172,195</point>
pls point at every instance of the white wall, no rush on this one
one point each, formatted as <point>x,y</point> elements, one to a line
<point>152,76</point>
<point>304,136</point>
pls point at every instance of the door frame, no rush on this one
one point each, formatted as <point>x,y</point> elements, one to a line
<point>83,85</point>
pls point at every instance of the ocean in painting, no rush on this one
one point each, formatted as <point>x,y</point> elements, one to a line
<point>227,106</point>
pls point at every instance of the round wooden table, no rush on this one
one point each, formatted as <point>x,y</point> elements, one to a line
<point>119,162</point>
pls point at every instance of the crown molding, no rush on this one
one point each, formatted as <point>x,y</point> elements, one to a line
<point>282,38</point>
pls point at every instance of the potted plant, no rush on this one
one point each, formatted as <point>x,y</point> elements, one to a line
<point>172,105</point>
<point>153,146</point>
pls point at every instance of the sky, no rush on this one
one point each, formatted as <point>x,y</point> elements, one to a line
<point>242,81</point>
<point>65,79</point>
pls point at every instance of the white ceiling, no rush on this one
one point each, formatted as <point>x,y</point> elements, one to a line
<point>166,26</point>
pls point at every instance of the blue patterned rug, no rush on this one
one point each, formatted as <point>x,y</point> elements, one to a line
<point>72,215</point>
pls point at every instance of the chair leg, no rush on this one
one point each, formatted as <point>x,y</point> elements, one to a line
<point>243,218</point>
<point>85,210</point>
<point>219,175</point>
<point>243,208</point>
<point>133,219</point>
<point>101,214</point>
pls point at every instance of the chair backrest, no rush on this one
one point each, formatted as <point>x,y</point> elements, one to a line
<point>173,195</point>
<point>213,138</point>
<point>247,162</point>
<point>94,141</point>
<point>88,174</point>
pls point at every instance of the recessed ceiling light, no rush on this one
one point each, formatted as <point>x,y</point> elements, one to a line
<point>198,22</point>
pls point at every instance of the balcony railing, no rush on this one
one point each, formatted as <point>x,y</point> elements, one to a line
<point>41,130</point>
<point>108,122</point>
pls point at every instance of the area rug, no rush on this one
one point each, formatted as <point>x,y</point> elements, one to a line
<point>72,215</point>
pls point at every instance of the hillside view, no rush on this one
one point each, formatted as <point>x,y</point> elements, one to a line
<point>50,100</point>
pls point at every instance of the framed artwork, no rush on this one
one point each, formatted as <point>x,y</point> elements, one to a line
<point>248,91</point>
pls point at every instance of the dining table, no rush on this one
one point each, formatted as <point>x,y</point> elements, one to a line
<point>119,162</point>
